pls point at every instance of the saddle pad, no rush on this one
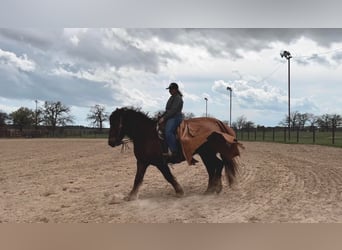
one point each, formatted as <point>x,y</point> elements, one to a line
<point>192,133</point>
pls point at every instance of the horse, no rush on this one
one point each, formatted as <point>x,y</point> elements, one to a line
<point>142,130</point>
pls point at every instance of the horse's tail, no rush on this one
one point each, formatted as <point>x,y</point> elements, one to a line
<point>231,169</point>
<point>228,152</point>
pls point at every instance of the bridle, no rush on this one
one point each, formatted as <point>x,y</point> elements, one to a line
<point>118,133</point>
<point>120,126</point>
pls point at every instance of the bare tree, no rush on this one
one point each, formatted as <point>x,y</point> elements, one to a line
<point>336,120</point>
<point>38,117</point>
<point>97,116</point>
<point>312,119</point>
<point>188,115</point>
<point>324,122</point>
<point>56,114</point>
<point>241,122</point>
<point>295,120</point>
<point>249,124</point>
<point>303,119</point>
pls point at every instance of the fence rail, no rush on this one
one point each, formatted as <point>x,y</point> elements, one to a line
<point>306,135</point>
<point>81,132</point>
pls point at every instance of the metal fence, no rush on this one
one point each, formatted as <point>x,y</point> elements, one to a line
<point>60,132</point>
<point>306,135</point>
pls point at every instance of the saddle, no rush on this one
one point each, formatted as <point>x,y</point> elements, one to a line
<point>168,157</point>
<point>192,133</point>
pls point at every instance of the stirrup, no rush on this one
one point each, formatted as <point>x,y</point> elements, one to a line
<point>168,153</point>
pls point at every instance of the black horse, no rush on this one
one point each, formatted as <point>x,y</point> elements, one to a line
<point>148,151</point>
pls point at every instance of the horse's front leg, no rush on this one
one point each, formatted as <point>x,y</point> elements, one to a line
<point>139,176</point>
<point>165,170</point>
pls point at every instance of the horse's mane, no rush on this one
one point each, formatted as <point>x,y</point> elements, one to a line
<point>141,114</point>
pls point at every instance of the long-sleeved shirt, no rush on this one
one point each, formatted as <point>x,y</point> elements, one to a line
<point>174,106</point>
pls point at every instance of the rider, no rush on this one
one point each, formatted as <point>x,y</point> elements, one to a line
<point>173,117</point>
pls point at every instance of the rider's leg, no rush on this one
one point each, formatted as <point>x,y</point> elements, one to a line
<point>170,136</point>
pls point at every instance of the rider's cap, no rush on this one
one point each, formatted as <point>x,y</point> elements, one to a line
<point>173,85</point>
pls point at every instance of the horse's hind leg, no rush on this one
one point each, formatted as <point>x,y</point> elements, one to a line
<point>210,161</point>
<point>139,176</point>
<point>165,170</point>
<point>218,176</point>
<point>211,173</point>
<point>214,168</point>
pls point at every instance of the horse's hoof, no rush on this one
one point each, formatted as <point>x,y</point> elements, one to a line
<point>209,192</point>
<point>218,190</point>
<point>180,194</point>
<point>130,198</point>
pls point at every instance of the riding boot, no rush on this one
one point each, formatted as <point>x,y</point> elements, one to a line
<point>175,157</point>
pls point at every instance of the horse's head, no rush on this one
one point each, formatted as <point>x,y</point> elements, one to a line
<point>131,122</point>
<point>116,131</point>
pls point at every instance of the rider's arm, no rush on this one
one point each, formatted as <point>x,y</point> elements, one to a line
<point>175,107</point>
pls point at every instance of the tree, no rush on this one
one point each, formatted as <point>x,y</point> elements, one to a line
<point>312,119</point>
<point>188,115</point>
<point>336,120</point>
<point>324,122</point>
<point>241,122</point>
<point>38,117</point>
<point>249,124</point>
<point>23,117</point>
<point>56,114</point>
<point>3,118</point>
<point>97,116</point>
<point>294,120</point>
<point>303,119</point>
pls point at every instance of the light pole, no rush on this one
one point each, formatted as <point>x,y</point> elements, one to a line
<point>206,106</point>
<point>230,106</point>
<point>36,116</point>
<point>288,56</point>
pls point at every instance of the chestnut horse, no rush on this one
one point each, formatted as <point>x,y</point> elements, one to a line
<point>148,151</point>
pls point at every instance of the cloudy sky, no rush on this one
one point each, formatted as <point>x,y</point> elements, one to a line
<point>132,67</point>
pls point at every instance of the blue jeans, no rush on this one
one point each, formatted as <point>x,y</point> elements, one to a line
<point>170,131</point>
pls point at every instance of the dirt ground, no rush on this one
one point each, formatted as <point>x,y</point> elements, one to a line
<point>85,180</point>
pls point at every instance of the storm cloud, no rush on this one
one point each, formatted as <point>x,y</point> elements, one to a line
<point>121,67</point>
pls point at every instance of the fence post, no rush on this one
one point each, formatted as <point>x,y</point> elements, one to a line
<point>255,134</point>
<point>297,134</point>
<point>284,134</point>
<point>273,133</point>
<point>263,133</point>
<point>333,133</point>
<point>314,134</point>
